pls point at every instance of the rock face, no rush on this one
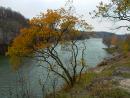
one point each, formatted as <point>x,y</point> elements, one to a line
<point>3,49</point>
<point>125,84</point>
<point>10,24</point>
<point>1,38</point>
<point>4,42</point>
<point>6,37</point>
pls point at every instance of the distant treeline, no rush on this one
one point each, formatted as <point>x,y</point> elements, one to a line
<point>8,14</point>
<point>10,24</point>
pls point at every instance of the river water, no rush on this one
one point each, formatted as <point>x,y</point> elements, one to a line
<point>33,80</point>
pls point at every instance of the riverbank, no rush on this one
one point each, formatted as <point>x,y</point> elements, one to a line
<point>35,75</point>
<point>111,80</point>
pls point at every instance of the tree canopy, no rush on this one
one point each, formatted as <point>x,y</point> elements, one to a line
<point>43,35</point>
<point>115,10</point>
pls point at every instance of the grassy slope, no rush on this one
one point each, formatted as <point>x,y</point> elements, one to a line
<point>101,82</point>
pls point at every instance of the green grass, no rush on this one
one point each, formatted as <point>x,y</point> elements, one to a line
<point>88,77</point>
<point>125,75</point>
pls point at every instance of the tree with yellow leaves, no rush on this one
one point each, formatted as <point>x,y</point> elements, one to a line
<point>115,10</point>
<point>41,39</point>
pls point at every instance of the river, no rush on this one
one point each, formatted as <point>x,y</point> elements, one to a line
<point>32,79</point>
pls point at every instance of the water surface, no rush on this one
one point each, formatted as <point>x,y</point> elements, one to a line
<point>33,77</point>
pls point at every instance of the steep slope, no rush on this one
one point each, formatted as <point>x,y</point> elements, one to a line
<point>10,24</point>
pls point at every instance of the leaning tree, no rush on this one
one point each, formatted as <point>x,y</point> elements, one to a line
<point>41,39</point>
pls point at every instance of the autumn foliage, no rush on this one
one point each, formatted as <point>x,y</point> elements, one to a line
<point>44,34</point>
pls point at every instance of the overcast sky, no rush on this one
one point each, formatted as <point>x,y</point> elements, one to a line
<point>31,8</point>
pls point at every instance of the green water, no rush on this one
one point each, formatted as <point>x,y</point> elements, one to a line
<point>33,75</point>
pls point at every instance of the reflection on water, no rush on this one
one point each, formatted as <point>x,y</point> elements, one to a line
<point>32,78</point>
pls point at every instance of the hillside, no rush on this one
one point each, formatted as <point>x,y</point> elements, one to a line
<point>103,34</point>
<point>10,24</point>
<point>111,80</point>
